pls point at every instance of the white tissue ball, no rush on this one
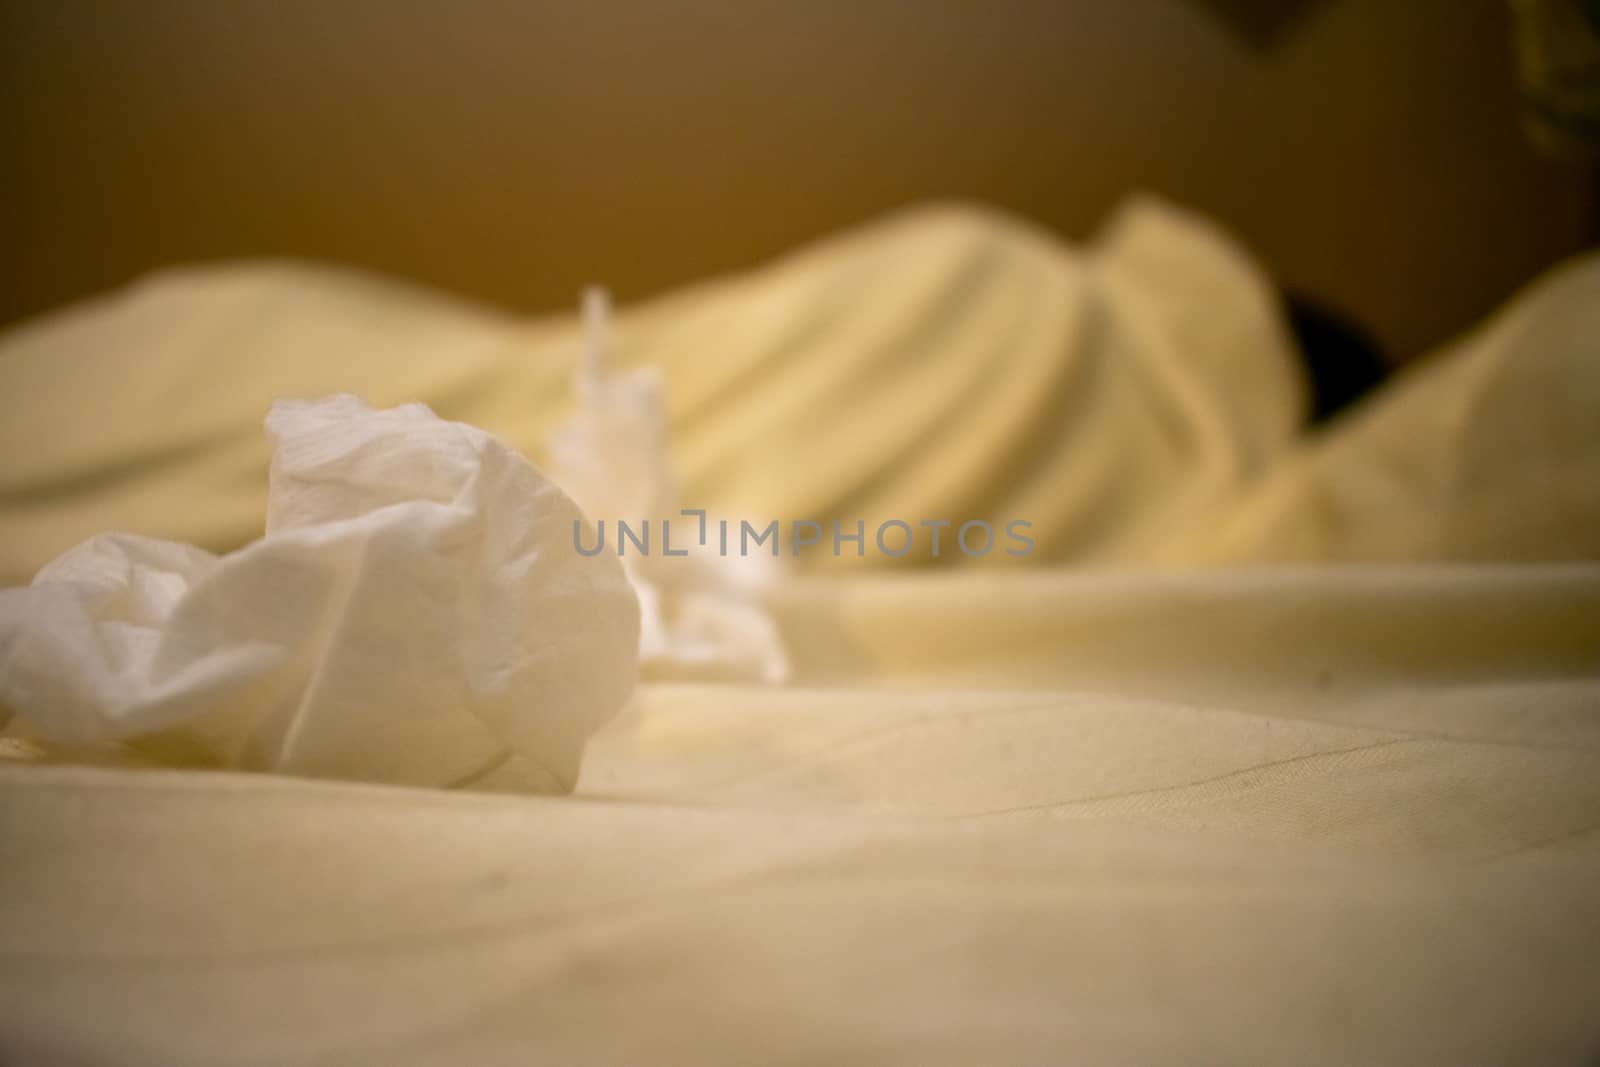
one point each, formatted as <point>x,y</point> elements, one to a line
<point>417,613</point>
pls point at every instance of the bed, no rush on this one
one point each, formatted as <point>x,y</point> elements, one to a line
<point>1280,747</point>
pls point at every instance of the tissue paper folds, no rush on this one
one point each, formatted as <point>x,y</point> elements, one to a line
<point>415,614</point>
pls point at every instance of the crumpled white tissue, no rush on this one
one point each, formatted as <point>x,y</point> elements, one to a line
<point>416,613</point>
<point>700,614</point>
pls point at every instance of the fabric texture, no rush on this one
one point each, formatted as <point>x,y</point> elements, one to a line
<point>947,363</point>
<point>1280,749</point>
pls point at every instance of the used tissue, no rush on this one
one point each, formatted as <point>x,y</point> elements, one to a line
<point>415,614</point>
<point>700,615</point>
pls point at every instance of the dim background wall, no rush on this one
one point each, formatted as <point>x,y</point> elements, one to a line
<point>1370,153</point>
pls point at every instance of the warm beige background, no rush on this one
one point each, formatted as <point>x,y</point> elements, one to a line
<point>517,150</point>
